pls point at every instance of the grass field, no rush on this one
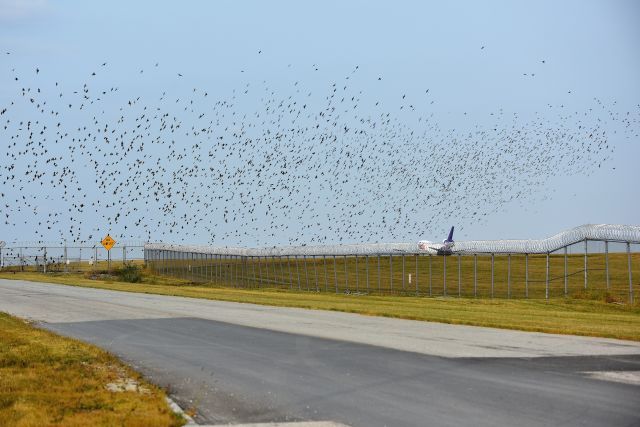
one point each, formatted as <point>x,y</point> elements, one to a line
<point>48,380</point>
<point>586,313</point>
<point>418,275</point>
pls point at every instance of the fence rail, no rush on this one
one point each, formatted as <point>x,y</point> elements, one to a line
<point>590,232</point>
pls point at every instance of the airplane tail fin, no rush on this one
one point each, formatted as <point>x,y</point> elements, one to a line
<point>450,238</point>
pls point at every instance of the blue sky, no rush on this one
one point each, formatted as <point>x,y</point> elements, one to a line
<point>472,56</point>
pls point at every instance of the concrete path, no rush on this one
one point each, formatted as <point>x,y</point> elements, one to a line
<point>240,363</point>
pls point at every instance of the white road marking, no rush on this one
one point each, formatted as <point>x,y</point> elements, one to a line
<point>626,377</point>
<point>191,422</point>
<point>178,410</point>
<point>285,424</point>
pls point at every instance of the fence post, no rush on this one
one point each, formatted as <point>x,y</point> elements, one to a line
<point>225,270</point>
<point>298,271</point>
<point>246,266</point>
<point>444,275</point>
<point>253,270</point>
<point>630,277</point>
<point>243,280</point>
<point>177,264</point>
<point>124,255</point>
<point>108,260</point>
<point>346,279</point>
<point>379,278</point>
<point>566,278</point>
<point>509,276</point>
<point>430,277</point>
<point>546,287</point>
<point>526,275</point>
<point>234,270</point>
<point>391,271</point>
<point>459,275</point>
<point>326,280</point>
<point>417,287</point>
<point>44,259</point>
<point>585,264</point>
<point>335,273</point>
<point>239,275</point>
<point>275,273</point>
<point>266,269</point>
<point>290,272</point>
<point>606,261</point>
<point>214,268</point>
<point>366,261</point>
<point>237,267</point>
<point>475,275</point>
<point>306,274</point>
<point>357,276</point>
<point>315,271</point>
<point>247,275</point>
<point>492,261</point>
<point>403,273</point>
<point>195,265</point>
<point>282,271</point>
<point>66,259</point>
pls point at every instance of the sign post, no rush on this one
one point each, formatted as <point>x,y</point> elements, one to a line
<point>108,243</point>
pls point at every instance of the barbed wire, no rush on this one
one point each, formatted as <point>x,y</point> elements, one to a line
<point>588,232</point>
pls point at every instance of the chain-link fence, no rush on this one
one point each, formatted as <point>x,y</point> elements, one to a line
<point>68,258</point>
<point>600,262</point>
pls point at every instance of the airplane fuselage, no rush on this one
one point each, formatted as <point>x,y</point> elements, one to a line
<point>446,248</point>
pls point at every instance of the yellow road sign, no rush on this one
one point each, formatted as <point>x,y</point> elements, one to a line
<point>108,242</point>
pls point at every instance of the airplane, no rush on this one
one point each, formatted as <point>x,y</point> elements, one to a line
<point>445,249</point>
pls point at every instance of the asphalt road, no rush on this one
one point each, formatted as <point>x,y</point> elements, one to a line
<point>242,363</point>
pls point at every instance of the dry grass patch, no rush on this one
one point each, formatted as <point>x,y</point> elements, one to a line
<point>46,380</point>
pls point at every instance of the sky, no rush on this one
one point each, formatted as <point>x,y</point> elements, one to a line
<point>475,58</point>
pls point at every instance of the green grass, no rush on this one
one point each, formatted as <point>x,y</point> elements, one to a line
<point>587,313</point>
<point>48,380</point>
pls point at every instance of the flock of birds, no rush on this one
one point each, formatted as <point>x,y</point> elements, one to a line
<point>270,166</point>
